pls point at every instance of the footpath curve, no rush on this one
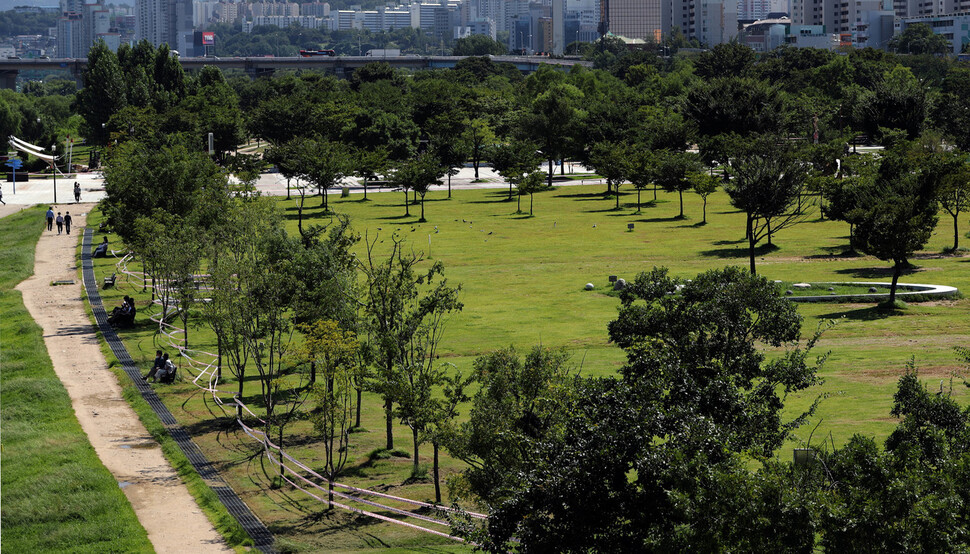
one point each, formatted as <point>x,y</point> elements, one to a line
<point>261,536</point>
<point>160,500</point>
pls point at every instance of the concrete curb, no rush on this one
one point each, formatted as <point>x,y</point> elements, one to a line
<point>912,291</point>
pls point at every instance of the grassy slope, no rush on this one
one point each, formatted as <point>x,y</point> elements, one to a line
<point>57,496</point>
<point>523,284</point>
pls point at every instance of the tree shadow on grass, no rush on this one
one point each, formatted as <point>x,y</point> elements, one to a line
<point>872,313</point>
<point>585,196</point>
<point>495,197</point>
<point>661,219</point>
<point>213,425</point>
<point>611,211</point>
<point>875,272</point>
<point>399,217</point>
<point>835,252</point>
<point>738,251</point>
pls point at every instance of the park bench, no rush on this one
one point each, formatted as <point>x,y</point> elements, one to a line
<point>110,281</point>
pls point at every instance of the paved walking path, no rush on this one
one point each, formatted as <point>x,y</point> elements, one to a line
<point>161,501</point>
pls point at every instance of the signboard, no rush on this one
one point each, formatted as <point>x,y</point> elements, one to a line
<point>14,164</point>
<point>208,38</point>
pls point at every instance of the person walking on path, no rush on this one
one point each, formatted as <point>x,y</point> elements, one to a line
<point>1,197</point>
<point>50,218</point>
<point>77,192</point>
<point>67,222</point>
<point>60,223</point>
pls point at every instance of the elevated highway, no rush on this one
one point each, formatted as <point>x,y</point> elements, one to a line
<point>260,66</point>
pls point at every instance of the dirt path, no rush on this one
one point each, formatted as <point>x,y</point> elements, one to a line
<point>161,501</point>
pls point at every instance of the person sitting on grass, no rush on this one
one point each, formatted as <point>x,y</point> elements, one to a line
<point>102,249</point>
<point>123,315</point>
<point>167,373</point>
<point>159,365</point>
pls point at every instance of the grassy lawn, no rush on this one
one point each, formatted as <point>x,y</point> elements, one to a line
<point>522,279</point>
<point>57,496</point>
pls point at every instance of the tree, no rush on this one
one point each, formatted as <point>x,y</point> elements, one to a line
<point>478,45</point>
<point>325,165</point>
<point>658,457</point>
<point>103,93</point>
<point>215,106</point>
<point>609,161</point>
<point>919,38</point>
<point>845,200</point>
<point>955,197</point>
<point>231,254</point>
<point>900,217</point>
<point>640,168</point>
<point>531,184</point>
<point>443,416</point>
<point>479,136</point>
<point>553,119</point>
<point>513,160</point>
<point>704,185</point>
<point>673,173</point>
<point>735,105</point>
<point>519,402</point>
<point>906,493</point>
<point>766,185</point>
<point>395,311</point>
<point>897,101</point>
<point>417,377</point>
<point>369,165</point>
<point>418,175</point>
<point>141,178</point>
<point>335,350</point>
<point>725,60</point>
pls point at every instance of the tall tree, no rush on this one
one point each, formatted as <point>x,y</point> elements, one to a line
<point>767,181</point>
<point>673,173</point>
<point>216,107</point>
<point>900,215</point>
<point>395,311</point>
<point>479,135</point>
<point>103,94</point>
<point>553,121</point>
<point>418,175</point>
<point>704,185</point>
<point>955,197</point>
<point>325,165</point>
<point>513,160</point>
<point>334,350</point>
<point>610,161</point>
<point>640,168</point>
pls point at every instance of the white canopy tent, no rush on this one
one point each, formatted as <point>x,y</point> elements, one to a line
<point>34,150</point>
<point>31,149</point>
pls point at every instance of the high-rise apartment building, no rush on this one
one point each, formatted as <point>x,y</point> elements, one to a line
<point>81,25</point>
<point>165,22</point>
<point>753,9</point>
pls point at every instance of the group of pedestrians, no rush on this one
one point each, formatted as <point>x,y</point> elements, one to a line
<point>63,221</point>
